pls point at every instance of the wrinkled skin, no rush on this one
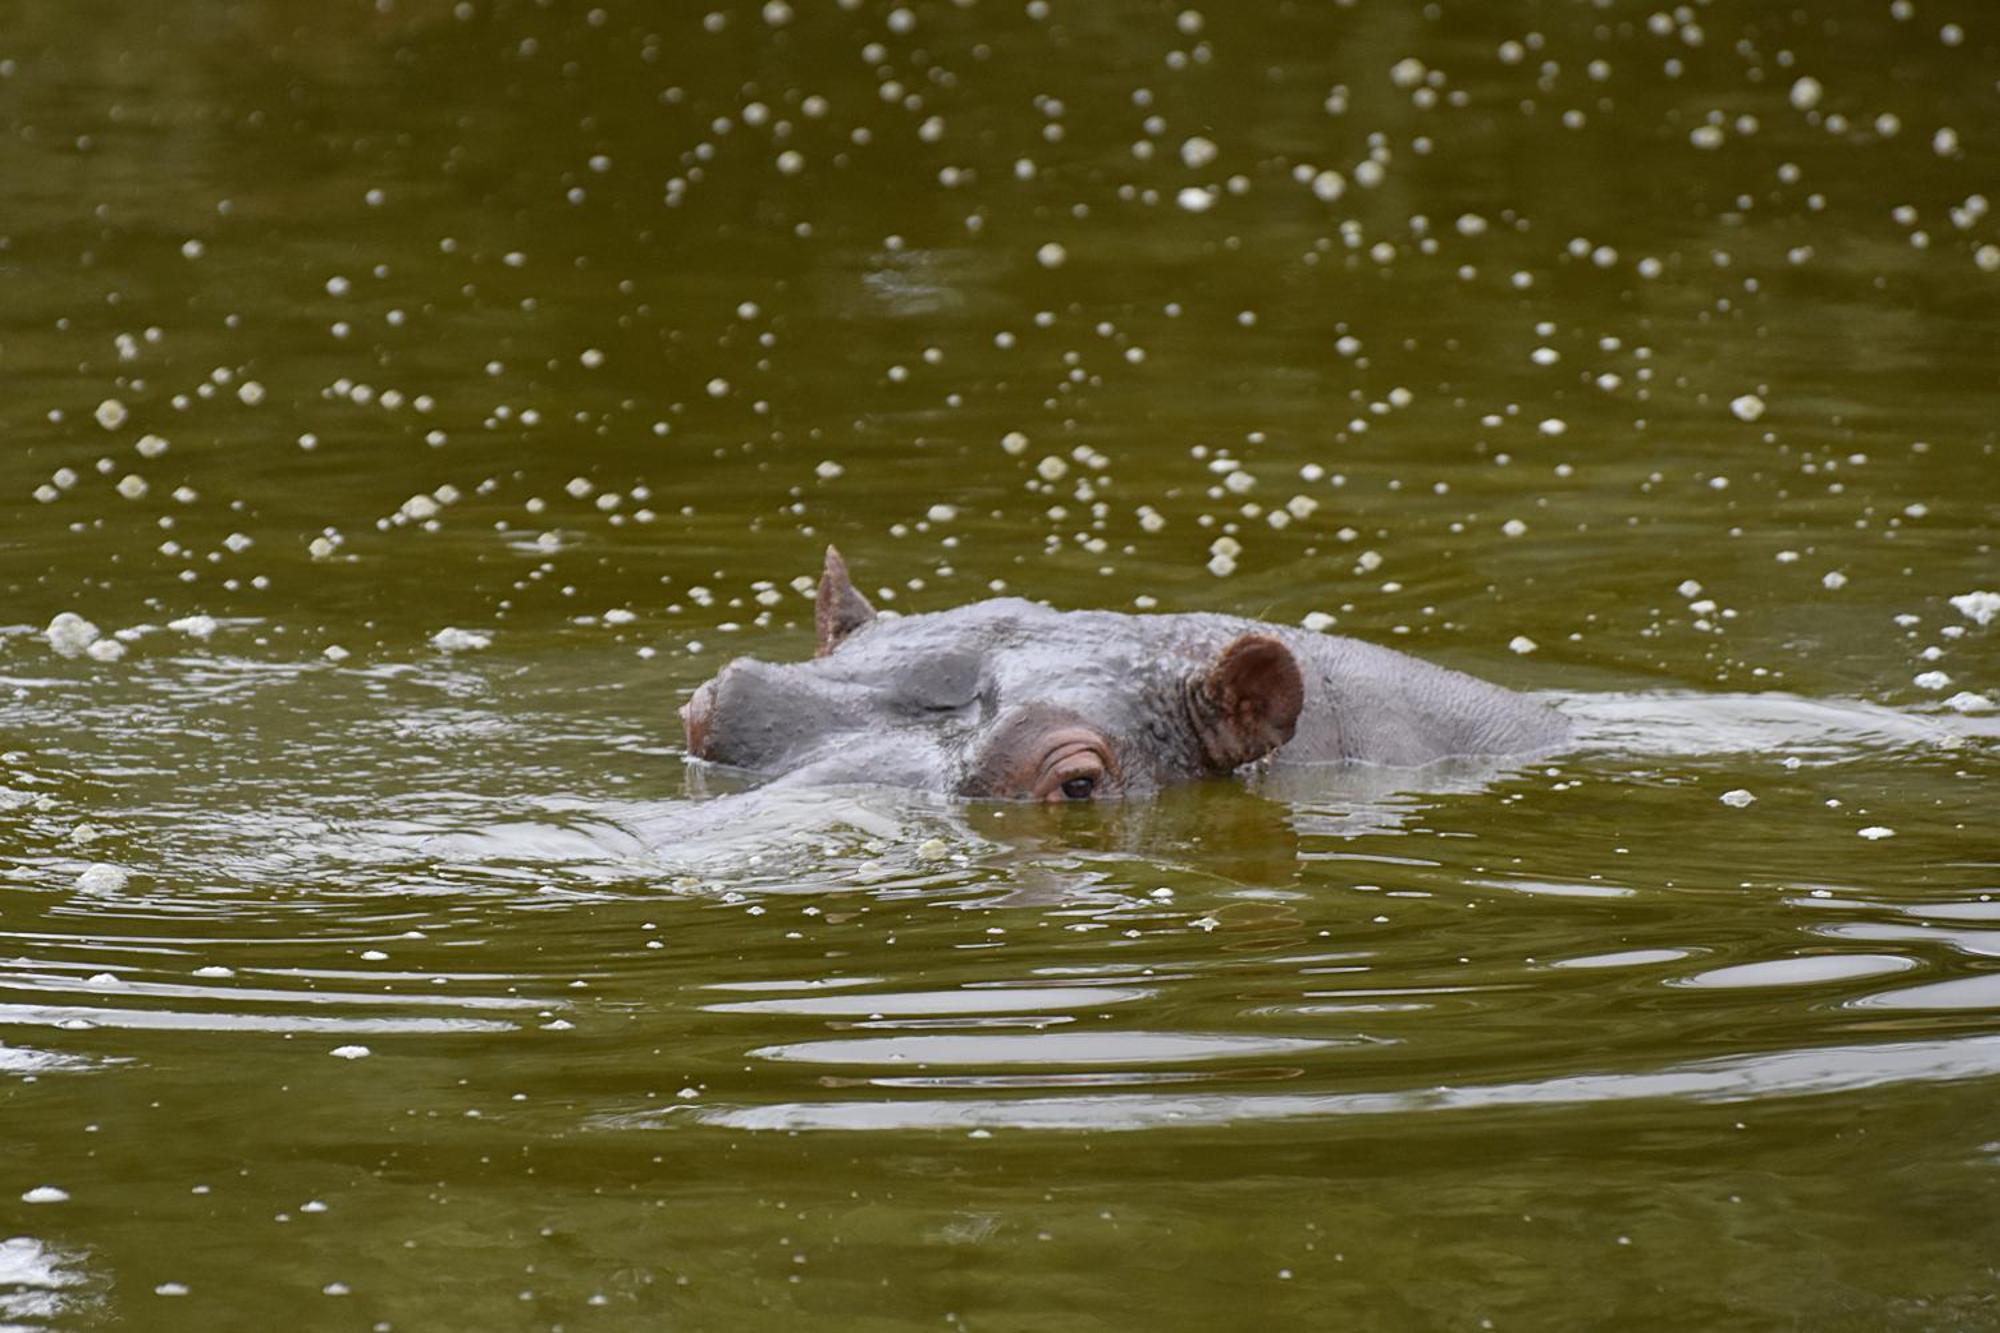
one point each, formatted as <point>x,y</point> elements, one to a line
<point>1006,699</point>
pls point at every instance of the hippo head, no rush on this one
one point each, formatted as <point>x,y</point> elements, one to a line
<point>1002,699</point>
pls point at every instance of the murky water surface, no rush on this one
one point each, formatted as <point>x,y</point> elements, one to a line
<point>419,400</point>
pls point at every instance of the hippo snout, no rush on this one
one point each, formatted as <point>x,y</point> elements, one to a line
<point>724,707</point>
<point>772,718</point>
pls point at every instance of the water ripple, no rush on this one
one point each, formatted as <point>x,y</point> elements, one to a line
<point>1054,1048</point>
<point>995,1000</point>
<point>27,1062</point>
<point>1811,1072</point>
<point>36,1015</point>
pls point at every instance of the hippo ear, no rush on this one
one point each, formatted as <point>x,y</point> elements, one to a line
<point>839,610</point>
<point>1247,704</point>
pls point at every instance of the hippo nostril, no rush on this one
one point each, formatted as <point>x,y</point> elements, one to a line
<point>695,714</point>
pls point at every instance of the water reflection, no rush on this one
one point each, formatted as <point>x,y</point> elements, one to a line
<point>1806,970</point>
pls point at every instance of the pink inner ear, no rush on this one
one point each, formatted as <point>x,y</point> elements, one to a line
<point>1255,693</point>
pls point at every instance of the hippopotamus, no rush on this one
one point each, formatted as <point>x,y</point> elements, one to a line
<point>1008,699</point>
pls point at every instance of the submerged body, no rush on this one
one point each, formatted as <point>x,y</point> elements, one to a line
<point>1009,699</point>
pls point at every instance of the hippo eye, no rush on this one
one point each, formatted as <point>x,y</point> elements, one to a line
<point>1076,770</point>
<point>1040,753</point>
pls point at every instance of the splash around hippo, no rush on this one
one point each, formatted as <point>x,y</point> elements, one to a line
<point>1006,699</point>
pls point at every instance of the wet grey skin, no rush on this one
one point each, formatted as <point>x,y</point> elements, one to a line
<point>1010,700</point>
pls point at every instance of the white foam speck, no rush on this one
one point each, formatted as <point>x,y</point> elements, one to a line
<point>1965,701</point>
<point>352,1052</point>
<point>1747,407</point>
<point>111,414</point>
<point>102,878</point>
<point>1198,152</point>
<point>1521,643</point>
<point>1932,680</point>
<point>451,639</point>
<point>1978,607</point>
<point>1736,799</point>
<point>45,1194</point>
<point>69,634</point>
<point>1875,832</point>
<point>195,627</point>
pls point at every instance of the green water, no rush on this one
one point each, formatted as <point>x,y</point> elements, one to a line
<point>349,982</point>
